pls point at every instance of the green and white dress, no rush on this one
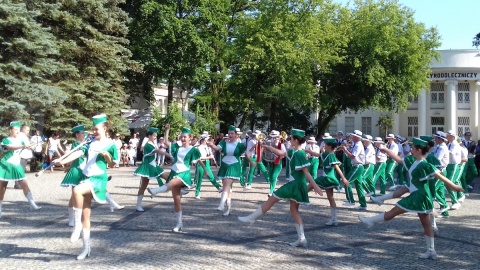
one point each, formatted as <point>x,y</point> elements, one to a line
<point>10,167</point>
<point>95,171</point>
<point>420,198</point>
<point>149,167</point>
<point>328,179</point>
<point>295,190</point>
<point>231,166</point>
<point>182,159</point>
<point>74,174</point>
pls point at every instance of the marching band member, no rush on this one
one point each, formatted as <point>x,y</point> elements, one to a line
<point>357,156</point>
<point>149,169</point>
<point>180,176</point>
<point>93,184</point>
<point>295,191</point>
<point>369,167</point>
<point>420,200</point>
<point>453,169</point>
<point>10,166</point>
<point>275,167</point>
<point>314,162</point>
<point>230,169</point>
<point>328,180</point>
<point>206,156</point>
<point>255,160</point>
<point>288,146</point>
<point>391,164</point>
<point>248,141</point>
<point>399,169</point>
<point>380,165</point>
<point>463,171</point>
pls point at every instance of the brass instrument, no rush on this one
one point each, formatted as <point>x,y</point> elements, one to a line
<point>262,137</point>
<point>283,135</point>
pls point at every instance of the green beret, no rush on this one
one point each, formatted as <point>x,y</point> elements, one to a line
<point>152,129</point>
<point>426,138</point>
<point>297,132</point>
<point>15,124</point>
<point>419,142</point>
<point>186,130</point>
<point>232,128</point>
<point>78,128</point>
<point>98,119</point>
<point>330,140</point>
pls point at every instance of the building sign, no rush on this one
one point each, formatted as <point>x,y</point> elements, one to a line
<point>453,75</point>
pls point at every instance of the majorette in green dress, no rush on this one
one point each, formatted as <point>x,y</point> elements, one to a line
<point>95,171</point>
<point>10,167</point>
<point>328,179</point>
<point>231,166</point>
<point>183,158</point>
<point>295,190</point>
<point>420,198</point>
<point>74,174</point>
<point>149,167</point>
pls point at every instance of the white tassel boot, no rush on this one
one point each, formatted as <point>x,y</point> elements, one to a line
<point>431,253</point>
<point>77,227</point>
<point>113,204</point>
<point>370,221</point>
<point>333,221</point>
<point>179,226</point>
<point>381,199</point>
<point>33,205</point>
<point>301,241</point>
<point>229,207</point>
<point>252,217</point>
<point>154,191</point>
<point>223,199</point>
<point>71,217</point>
<point>86,245</point>
<point>139,207</point>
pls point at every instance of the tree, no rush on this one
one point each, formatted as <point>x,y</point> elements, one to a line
<point>385,123</point>
<point>173,117</point>
<point>476,41</point>
<point>27,66</point>
<point>384,60</point>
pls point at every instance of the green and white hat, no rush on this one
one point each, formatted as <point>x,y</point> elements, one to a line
<point>15,124</point>
<point>152,129</point>
<point>232,128</point>
<point>419,142</point>
<point>98,119</point>
<point>426,138</point>
<point>297,132</point>
<point>186,130</point>
<point>329,140</point>
<point>78,128</point>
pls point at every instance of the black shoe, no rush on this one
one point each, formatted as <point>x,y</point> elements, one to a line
<point>109,178</point>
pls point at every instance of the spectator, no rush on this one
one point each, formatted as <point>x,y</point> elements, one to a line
<point>54,148</point>
<point>26,154</point>
<point>162,146</point>
<point>477,155</point>
<point>124,155</point>
<point>132,155</point>
<point>37,143</point>
<point>118,145</point>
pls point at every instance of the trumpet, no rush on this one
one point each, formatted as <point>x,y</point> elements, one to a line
<point>262,137</point>
<point>283,135</point>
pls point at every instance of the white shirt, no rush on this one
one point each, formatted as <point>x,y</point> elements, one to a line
<point>464,153</point>
<point>251,147</point>
<point>406,150</point>
<point>204,150</point>
<point>370,157</point>
<point>455,153</point>
<point>313,147</point>
<point>381,157</point>
<point>393,146</point>
<point>442,154</point>
<point>118,143</point>
<point>134,142</point>
<point>27,152</point>
<point>53,144</point>
<point>37,142</point>
<point>400,151</point>
<point>144,141</point>
<point>358,153</point>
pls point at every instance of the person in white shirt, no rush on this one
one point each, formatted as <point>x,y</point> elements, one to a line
<point>118,144</point>
<point>54,148</point>
<point>37,143</point>
<point>249,141</point>
<point>314,160</point>
<point>275,166</point>
<point>391,164</point>
<point>206,155</point>
<point>370,160</point>
<point>453,168</point>
<point>355,176</point>
<point>162,146</point>
<point>441,152</point>
<point>380,165</point>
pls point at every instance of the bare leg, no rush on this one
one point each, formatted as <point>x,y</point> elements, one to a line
<point>143,186</point>
<point>295,213</point>
<point>330,197</point>
<point>429,237</point>
<point>395,211</point>
<point>86,213</point>
<point>24,185</point>
<point>3,189</point>
<point>269,203</point>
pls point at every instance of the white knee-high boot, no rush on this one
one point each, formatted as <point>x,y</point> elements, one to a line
<point>86,245</point>
<point>77,227</point>
<point>381,199</point>
<point>71,217</point>
<point>431,253</point>
<point>154,191</point>
<point>229,207</point>
<point>139,207</point>
<point>333,221</point>
<point>113,204</point>
<point>370,221</point>
<point>33,205</point>
<point>223,199</point>
<point>179,226</point>
<point>253,216</point>
<point>301,241</point>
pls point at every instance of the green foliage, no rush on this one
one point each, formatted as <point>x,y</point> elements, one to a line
<point>173,117</point>
<point>385,123</point>
<point>28,67</point>
<point>476,41</point>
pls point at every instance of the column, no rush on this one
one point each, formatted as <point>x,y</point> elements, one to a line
<point>451,105</point>
<point>422,112</point>
<point>396,125</point>
<point>476,128</point>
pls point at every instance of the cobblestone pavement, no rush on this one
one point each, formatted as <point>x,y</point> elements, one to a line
<point>125,238</point>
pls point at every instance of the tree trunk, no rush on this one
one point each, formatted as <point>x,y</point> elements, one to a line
<point>170,91</point>
<point>273,115</point>
<point>324,118</point>
<point>253,118</point>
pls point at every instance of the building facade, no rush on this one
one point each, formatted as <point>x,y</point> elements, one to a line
<point>451,102</point>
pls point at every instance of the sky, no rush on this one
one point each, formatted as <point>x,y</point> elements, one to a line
<point>457,21</point>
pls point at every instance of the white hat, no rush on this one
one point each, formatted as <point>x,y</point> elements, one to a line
<point>378,139</point>
<point>450,132</point>
<point>249,131</point>
<point>390,136</point>
<point>340,132</point>
<point>368,138</point>
<point>441,135</point>
<point>311,139</point>
<point>238,131</point>
<point>161,138</point>
<point>257,132</point>
<point>274,134</point>
<point>326,136</point>
<point>357,133</point>
<point>205,133</point>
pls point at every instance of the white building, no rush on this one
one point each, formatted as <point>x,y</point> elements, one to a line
<point>451,103</point>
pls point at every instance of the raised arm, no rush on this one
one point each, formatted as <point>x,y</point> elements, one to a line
<point>167,131</point>
<point>391,154</point>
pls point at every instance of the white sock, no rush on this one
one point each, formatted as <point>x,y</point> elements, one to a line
<point>139,200</point>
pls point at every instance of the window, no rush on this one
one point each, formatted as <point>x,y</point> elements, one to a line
<point>332,127</point>
<point>413,100</point>
<point>463,124</point>
<point>437,95</point>
<point>349,124</point>
<point>437,123</point>
<point>412,126</point>
<point>367,125</point>
<point>463,95</point>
